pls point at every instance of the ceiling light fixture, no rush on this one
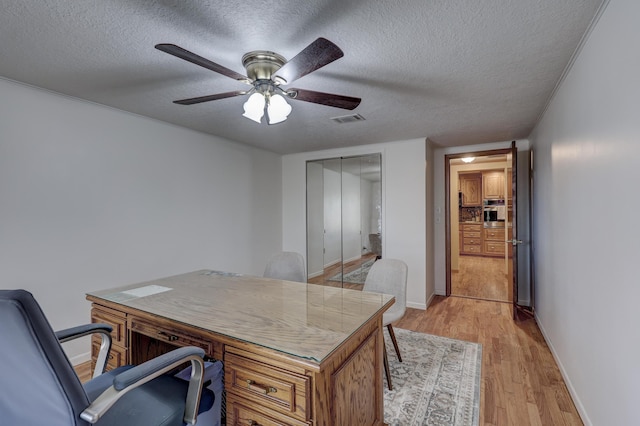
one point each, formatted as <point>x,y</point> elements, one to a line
<point>468,159</point>
<point>278,109</point>
<point>267,94</point>
<point>254,107</point>
<point>275,105</point>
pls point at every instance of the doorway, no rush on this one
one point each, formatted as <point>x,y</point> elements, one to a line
<point>480,226</point>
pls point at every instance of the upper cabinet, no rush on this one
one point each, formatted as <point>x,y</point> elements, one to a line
<point>471,188</point>
<point>493,185</point>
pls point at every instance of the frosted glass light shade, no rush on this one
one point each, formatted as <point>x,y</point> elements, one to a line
<point>254,107</point>
<point>278,109</point>
<point>468,159</point>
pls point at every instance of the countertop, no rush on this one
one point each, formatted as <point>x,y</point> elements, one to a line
<point>507,224</point>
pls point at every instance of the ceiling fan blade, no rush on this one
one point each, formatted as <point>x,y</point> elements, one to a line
<point>318,54</point>
<point>208,98</point>
<point>181,53</point>
<point>338,101</point>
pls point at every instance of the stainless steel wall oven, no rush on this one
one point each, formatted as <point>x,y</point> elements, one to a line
<point>494,213</point>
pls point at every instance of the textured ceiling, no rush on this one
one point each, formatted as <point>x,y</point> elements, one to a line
<point>456,71</point>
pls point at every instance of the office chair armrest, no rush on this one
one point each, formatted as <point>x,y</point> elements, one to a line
<point>147,371</point>
<point>104,330</point>
<point>82,330</point>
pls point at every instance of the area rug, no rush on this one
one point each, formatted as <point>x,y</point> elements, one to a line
<point>437,382</point>
<point>355,277</point>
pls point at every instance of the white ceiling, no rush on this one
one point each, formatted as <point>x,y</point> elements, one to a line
<point>459,72</point>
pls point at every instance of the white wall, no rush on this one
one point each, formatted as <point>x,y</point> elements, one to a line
<point>92,197</point>
<point>586,203</point>
<point>403,215</point>
<point>429,219</point>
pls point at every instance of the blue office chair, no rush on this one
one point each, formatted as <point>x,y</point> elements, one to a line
<point>40,386</point>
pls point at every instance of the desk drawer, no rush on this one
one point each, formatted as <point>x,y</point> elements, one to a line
<point>239,414</point>
<point>283,391</point>
<point>117,356</point>
<point>115,319</point>
<point>173,335</point>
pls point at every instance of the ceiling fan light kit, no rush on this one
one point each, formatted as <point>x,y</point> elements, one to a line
<point>266,73</point>
<point>254,107</point>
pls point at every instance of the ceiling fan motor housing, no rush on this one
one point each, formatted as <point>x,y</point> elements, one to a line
<point>262,64</point>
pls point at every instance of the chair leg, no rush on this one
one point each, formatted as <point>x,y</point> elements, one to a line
<point>395,342</point>
<point>386,365</point>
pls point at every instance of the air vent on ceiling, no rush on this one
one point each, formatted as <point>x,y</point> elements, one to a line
<point>348,118</point>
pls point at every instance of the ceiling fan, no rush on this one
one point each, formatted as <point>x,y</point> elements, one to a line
<point>267,73</point>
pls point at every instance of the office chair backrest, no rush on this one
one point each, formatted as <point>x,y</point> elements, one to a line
<point>39,385</point>
<point>286,265</point>
<point>389,276</point>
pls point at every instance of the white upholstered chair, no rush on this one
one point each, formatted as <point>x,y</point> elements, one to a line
<point>389,276</point>
<point>286,265</point>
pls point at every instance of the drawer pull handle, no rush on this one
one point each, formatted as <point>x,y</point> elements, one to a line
<point>253,423</point>
<point>251,384</point>
<point>169,337</point>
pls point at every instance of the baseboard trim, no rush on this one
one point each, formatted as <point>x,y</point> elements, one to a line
<point>430,299</point>
<point>420,306</point>
<point>572,391</point>
<point>80,359</point>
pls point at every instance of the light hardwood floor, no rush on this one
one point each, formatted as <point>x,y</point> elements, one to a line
<point>482,278</point>
<point>520,381</point>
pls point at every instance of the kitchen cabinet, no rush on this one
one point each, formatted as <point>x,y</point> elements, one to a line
<point>494,241</point>
<point>471,188</point>
<point>471,238</point>
<point>493,185</point>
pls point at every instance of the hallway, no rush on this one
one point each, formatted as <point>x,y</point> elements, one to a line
<point>481,278</point>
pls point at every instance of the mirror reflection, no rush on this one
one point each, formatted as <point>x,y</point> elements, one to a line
<point>344,221</point>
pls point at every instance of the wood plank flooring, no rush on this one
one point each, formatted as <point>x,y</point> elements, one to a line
<point>520,381</point>
<point>482,278</point>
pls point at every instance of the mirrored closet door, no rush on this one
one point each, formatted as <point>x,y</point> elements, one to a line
<point>344,221</point>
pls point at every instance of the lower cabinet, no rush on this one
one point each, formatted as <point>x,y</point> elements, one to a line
<point>494,241</point>
<point>479,241</point>
<point>471,238</point>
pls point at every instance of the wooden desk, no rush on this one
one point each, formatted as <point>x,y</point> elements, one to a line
<point>294,353</point>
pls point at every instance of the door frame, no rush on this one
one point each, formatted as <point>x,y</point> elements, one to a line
<point>447,203</point>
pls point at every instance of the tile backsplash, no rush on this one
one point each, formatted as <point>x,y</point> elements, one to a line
<point>470,214</point>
